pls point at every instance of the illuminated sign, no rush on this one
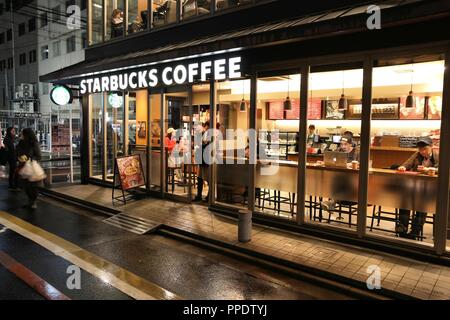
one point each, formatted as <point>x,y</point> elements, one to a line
<point>115,100</point>
<point>61,95</point>
<point>170,75</point>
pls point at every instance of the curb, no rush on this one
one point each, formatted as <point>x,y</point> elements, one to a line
<point>311,274</point>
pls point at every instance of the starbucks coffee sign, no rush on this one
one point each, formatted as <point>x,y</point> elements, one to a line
<point>219,69</point>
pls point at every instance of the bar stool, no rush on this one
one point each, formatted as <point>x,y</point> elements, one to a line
<point>277,200</point>
<point>344,207</point>
<point>377,214</point>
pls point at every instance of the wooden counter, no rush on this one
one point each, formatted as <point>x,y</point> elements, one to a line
<point>386,187</point>
<point>385,157</point>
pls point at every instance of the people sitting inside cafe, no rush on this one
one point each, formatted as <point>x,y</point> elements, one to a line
<point>425,159</point>
<point>116,23</point>
<point>348,146</point>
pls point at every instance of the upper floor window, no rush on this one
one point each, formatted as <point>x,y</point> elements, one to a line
<point>226,4</point>
<point>57,15</point>
<point>32,56</point>
<point>22,59</point>
<point>2,7</point>
<point>110,19</point>
<point>56,48</point>
<point>192,8</point>
<point>2,65</point>
<point>31,24</point>
<point>7,6</point>
<point>84,40</point>
<point>21,29</point>
<point>44,19</point>
<point>10,63</point>
<point>9,35</point>
<point>71,44</point>
<point>2,37</point>
<point>44,52</point>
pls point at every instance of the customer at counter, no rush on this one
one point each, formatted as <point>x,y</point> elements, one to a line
<point>425,159</point>
<point>347,146</point>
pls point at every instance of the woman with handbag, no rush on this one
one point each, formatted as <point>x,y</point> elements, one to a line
<point>28,153</point>
<point>10,147</point>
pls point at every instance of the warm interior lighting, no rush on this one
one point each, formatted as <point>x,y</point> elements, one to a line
<point>287,103</point>
<point>343,100</point>
<point>242,107</point>
<point>410,99</point>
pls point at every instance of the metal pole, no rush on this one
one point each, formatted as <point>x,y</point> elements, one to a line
<point>303,122</point>
<point>70,144</point>
<point>442,206</point>
<point>13,51</point>
<point>365,148</point>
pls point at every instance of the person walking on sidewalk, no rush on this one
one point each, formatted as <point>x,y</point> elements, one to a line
<point>29,149</point>
<point>9,143</point>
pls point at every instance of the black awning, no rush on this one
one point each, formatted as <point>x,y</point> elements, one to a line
<point>352,19</point>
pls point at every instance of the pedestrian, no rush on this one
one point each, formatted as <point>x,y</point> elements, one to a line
<point>29,149</point>
<point>10,146</point>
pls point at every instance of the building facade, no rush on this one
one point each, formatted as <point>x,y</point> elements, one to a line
<point>289,88</point>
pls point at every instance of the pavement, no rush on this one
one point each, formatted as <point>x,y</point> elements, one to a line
<point>400,277</point>
<point>39,247</point>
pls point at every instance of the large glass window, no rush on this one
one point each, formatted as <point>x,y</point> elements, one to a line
<point>226,4</point>
<point>232,170</point>
<point>115,25</point>
<point>96,22</point>
<point>114,118</point>
<point>277,124</point>
<point>137,16</point>
<point>164,12</point>
<point>155,132</point>
<point>96,134</point>
<point>404,152</point>
<point>333,146</point>
<point>192,8</point>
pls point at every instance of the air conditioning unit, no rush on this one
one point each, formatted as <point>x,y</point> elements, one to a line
<point>25,90</point>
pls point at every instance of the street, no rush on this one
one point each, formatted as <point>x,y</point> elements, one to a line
<point>183,269</point>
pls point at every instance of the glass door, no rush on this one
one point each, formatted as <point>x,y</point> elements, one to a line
<point>178,143</point>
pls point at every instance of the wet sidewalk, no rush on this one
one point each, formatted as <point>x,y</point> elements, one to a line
<point>400,275</point>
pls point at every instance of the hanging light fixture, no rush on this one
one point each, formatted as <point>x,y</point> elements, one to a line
<point>343,103</point>
<point>410,101</point>
<point>243,106</point>
<point>287,103</point>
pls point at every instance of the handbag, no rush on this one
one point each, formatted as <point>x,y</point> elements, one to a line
<point>32,171</point>
<point>3,156</point>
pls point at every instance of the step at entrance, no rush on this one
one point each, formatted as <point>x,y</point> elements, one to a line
<point>132,224</point>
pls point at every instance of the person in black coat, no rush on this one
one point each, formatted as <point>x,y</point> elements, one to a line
<point>29,149</point>
<point>10,147</point>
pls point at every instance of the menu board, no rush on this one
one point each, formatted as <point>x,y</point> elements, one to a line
<point>434,108</point>
<point>130,172</point>
<point>315,109</point>
<point>294,113</point>
<point>276,110</point>
<point>416,113</point>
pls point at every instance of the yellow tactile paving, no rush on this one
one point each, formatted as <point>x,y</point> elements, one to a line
<point>122,279</point>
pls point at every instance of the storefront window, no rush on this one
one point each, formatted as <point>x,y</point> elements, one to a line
<point>192,8</point>
<point>277,124</point>
<point>333,146</point>
<point>114,116</point>
<point>115,25</point>
<point>164,12</point>
<point>226,4</point>
<point>232,170</point>
<point>96,132</point>
<point>137,16</point>
<point>155,132</point>
<point>404,152</point>
<point>96,23</point>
